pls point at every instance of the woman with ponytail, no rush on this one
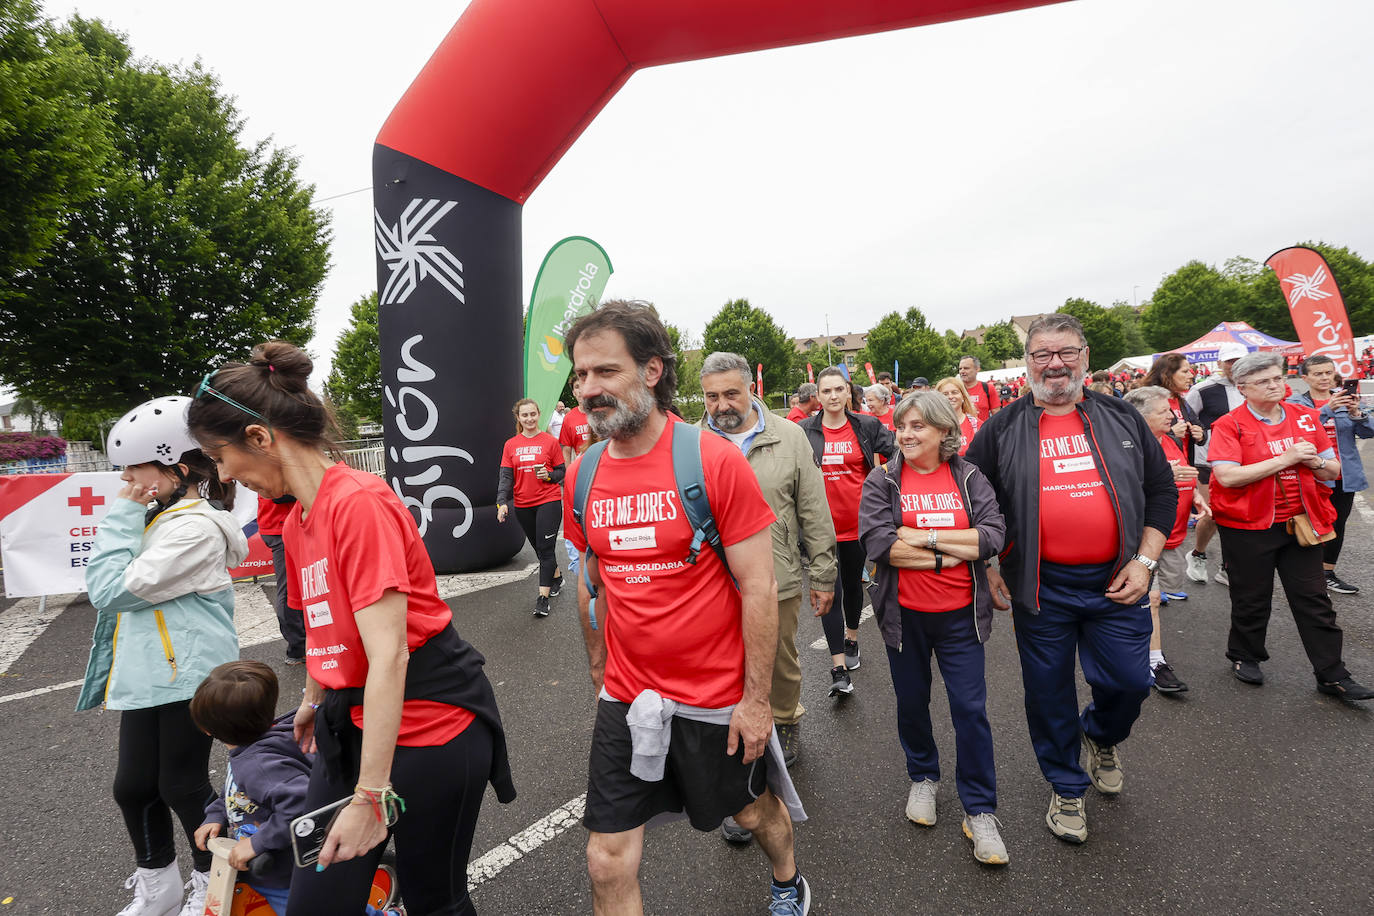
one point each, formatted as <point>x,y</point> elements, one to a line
<point>165,617</point>
<point>531,470</point>
<point>378,639</point>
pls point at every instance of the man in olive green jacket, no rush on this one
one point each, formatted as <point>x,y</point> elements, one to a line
<point>785,465</point>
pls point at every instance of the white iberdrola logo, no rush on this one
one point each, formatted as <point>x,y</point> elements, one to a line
<point>411,252</point>
<point>1311,287</point>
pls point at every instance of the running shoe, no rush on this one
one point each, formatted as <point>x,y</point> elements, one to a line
<point>1166,681</point>
<point>1067,818</point>
<point>920,802</point>
<point>1335,583</point>
<point>789,738</point>
<point>1247,672</point>
<point>840,684</point>
<point>1347,688</point>
<point>1174,596</point>
<point>1222,577</point>
<point>988,847</point>
<point>791,901</point>
<point>541,606</point>
<point>157,891</point>
<point>1104,769</point>
<point>851,654</point>
<point>557,586</point>
<point>196,889</point>
<point>734,833</point>
<point>294,660</point>
<point>1197,566</point>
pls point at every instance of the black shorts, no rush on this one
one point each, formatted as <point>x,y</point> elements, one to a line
<point>699,777</point>
<point>1204,473</point>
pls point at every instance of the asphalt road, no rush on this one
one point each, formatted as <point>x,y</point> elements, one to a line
<point>1238,799</point>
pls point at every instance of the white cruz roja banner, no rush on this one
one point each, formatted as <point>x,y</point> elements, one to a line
<point>48,524</point>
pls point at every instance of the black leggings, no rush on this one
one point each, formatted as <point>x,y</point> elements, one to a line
<point>849,595</point>
<point>540,524</point>
<point>164,767</point>
<point>442,787</point>
<point>1344,502</point>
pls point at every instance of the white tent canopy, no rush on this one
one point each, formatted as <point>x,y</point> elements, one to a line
<point>1132,362</point>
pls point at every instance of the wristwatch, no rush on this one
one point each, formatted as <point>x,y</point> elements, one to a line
<point>932,537</point>
<point>1322,465</point>
<point>1146,562</point>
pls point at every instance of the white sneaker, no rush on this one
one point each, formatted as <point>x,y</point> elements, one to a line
<point>1197,567</point>
<point>920,802</point>
<point>1222,577</point>
<point>157,891</point>
<point>195,898</point>
<point>988,847</point>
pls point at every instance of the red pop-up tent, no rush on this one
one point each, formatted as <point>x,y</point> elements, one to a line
<point>1204,349</point>
<point>505,95</point>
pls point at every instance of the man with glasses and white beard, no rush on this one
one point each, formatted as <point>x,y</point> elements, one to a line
<point>1089,500</point>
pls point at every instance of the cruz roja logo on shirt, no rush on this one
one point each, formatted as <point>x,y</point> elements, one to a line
<point>835,452</point>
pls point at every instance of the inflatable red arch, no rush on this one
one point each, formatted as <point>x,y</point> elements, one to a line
<point>508,91</point>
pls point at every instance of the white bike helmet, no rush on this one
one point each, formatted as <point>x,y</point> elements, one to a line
<point>153,431</point>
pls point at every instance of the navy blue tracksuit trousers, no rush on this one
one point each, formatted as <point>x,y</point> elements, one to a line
<point>1112,642</point>
<point>953,639</point>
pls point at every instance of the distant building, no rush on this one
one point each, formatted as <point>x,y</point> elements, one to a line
<point>1019,323</point>
<point>843,346</point>
<point>12,422</point>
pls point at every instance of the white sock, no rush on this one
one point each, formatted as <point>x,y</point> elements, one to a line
<point>1156,658</point>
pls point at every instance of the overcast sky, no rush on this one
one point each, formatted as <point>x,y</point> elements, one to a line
<point>978,169</point>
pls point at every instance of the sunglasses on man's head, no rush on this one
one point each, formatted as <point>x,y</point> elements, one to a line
<point>204,388</point>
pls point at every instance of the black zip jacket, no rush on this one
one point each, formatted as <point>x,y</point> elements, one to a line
<point>874,437</point>
<point>1139,481</point>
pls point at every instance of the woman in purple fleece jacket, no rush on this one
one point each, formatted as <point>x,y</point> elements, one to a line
<point>264,786</point>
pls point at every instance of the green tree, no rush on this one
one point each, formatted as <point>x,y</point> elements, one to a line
<point>52,142</point>
<point>909,339</point>
<point>752,333</point>
<point>1129,319</point>
<point>815,356</point>
<point>1190,302</point>
<point>192,249</point>
<point>354,384</point>
<point>1106,341</point>
<point>1001,342</point>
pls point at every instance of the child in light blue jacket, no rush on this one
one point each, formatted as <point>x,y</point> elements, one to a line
<point>159,581</point>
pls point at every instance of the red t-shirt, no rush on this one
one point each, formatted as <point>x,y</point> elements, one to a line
<point>844,469</point>
<point>886,419</point>
<point>968,428</point>
<point>272,516</point>
<point>985,399</point>
<point>796,414</point>
<point>575,433</point>
<point>525,453</point>
<point>1185,494</point>
<point>670,626</point>
<point>1075,507</point>
<point>358,542</point>
<point>932,501</point>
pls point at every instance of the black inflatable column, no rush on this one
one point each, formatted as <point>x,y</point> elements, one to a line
<point>448,287</point>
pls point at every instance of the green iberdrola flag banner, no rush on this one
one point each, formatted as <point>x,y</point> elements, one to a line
<point>569,285</point>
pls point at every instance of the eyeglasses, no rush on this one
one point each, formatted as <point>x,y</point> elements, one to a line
<point>204,388</point>
<point>1066,355</point>
<point>1275,382</point>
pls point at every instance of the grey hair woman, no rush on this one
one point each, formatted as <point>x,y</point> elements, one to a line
<point>929,521</point>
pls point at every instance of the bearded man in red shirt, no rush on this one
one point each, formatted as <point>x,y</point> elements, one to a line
<point>683,659</point>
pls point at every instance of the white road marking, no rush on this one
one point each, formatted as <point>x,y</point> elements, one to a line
<point>494,861</point>
<point>23,622</point>
<point>865,614</point>
<point>1362,506</point>
<point>38,691</point>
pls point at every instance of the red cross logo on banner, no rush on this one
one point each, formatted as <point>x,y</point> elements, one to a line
<point>87,501</point>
